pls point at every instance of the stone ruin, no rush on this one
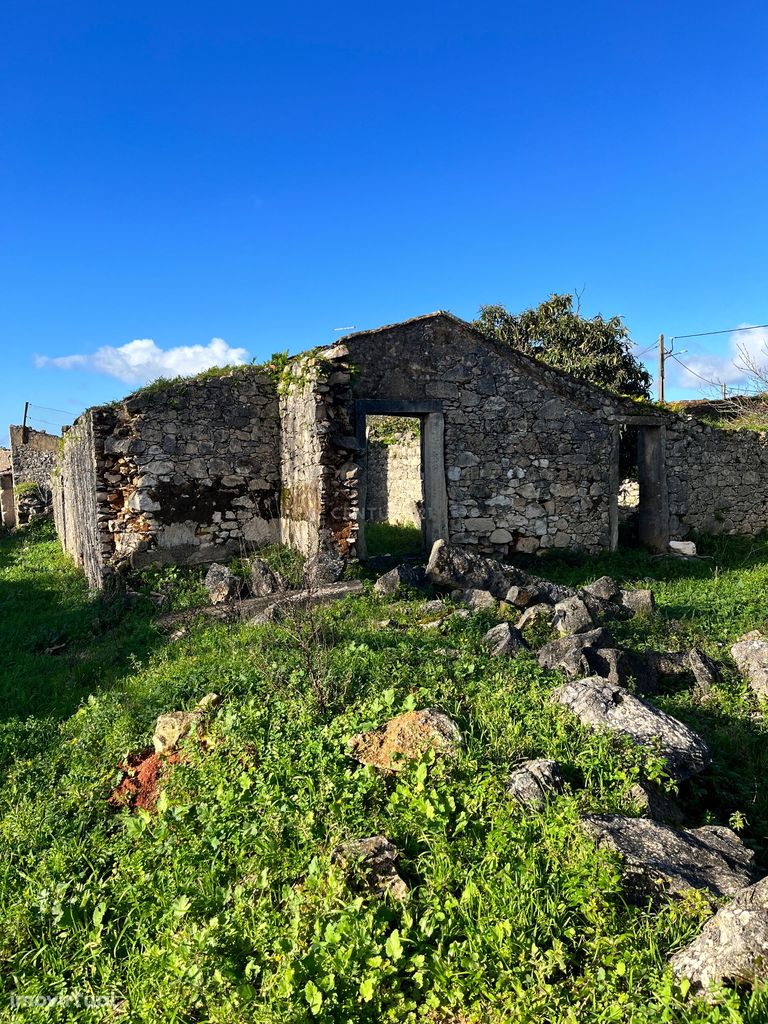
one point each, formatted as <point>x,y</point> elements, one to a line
<point>26,470</point>
<point>513,456</point>
<point>395,492</point>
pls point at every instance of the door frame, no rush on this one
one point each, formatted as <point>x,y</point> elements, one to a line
<point>653,509</point>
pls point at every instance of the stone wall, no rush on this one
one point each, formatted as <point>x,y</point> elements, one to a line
<point>394,493</point>
<point>301,471</point>
<point>515,457</point>
<point>79,507</point>
<point>7,509</point>
<point>528,451</point>
<point>318,494</point>
<point>33,456</point>
<point>185,473</point>
<point>717,479</point>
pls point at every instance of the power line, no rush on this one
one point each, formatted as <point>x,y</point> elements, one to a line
<point>50,423</point>
<point>643,351</point>
<point>712,383</point>
<point>67,412</point>
<point>731,330</point>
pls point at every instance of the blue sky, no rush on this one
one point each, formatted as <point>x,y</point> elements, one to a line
<point>262,174</point>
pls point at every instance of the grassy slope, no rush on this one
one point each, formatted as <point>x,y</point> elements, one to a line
<point>225,905</point>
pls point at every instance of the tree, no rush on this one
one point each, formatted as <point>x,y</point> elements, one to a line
<point>595,350</point>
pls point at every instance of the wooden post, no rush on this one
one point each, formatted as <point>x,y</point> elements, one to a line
<point>662,354</point>
<point>24,434</point>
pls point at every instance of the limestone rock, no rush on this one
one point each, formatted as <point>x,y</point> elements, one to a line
<point>567,653</point>
<point>572,616</point>
<point>265,581</point>
<point>604,589</point>
<point>603,705</point>
<point>222,584</point>
<point>533,591</point>
<point>402,577</point>
<point>603,598</point>
<point>534,781</point>
<point>751,656</point>
<point>732,948</point>
<point>375,857</point>
<point>504,640</point>
<point>405,737</point>
<point>705,671</point>
<point>660,858</point>
<point>667,663</point>
<point>610,663</point>
<point>479,600</point>
<point>453,566</point>
<point>535,613</point>
<point>323,568</point>
<point>652,803</point>
<point>683,548</point>
<point>620,667</point>
<point>638,602</point>
<point>520,596</point>
<point>171,728</point>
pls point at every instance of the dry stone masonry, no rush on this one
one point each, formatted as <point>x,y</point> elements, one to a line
<point>7,508</point>
<point>514,456</point>
<point>32,460</point>
<point>394,493</point>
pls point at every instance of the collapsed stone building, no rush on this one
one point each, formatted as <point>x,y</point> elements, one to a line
<point>26,469</point>
<point>514,456</point>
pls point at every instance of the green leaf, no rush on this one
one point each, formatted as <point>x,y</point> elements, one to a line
<point>314,997</point>
<point>181,906</point>
<point>393,947</point>
<point>98,914</point>
<point>367,988</point>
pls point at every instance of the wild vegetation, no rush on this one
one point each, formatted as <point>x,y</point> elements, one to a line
<point>224,905</point>
<point>398,539</point>
<point>588,348</point>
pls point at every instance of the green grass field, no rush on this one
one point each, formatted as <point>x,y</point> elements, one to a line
<point>393,539</point>
<point>225,905</point>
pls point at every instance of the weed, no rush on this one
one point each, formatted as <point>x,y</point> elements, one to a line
<point>225,905</point>
<point>400,539</point>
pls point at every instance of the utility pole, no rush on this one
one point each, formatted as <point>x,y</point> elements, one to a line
<point>662,356</point>
<point>24,435</point>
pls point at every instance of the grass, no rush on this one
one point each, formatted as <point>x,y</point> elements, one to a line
<point>226,906</point>
<point>398,539</point>
<point>746,421</point>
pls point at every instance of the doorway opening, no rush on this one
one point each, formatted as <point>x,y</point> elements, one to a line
<point>394,508</point>
<point>641,500</point>
<point>403,502</point>
<point>629,485</point>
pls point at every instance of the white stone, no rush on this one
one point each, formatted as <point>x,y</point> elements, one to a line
<point>683,547</point>
<point>500,536</point>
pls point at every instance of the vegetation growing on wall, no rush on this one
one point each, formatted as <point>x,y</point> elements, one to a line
<point>25,488</point>
<point>391,430</point>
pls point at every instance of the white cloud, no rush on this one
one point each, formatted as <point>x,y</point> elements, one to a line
<point>723,369</point>
<point>142,360</point>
